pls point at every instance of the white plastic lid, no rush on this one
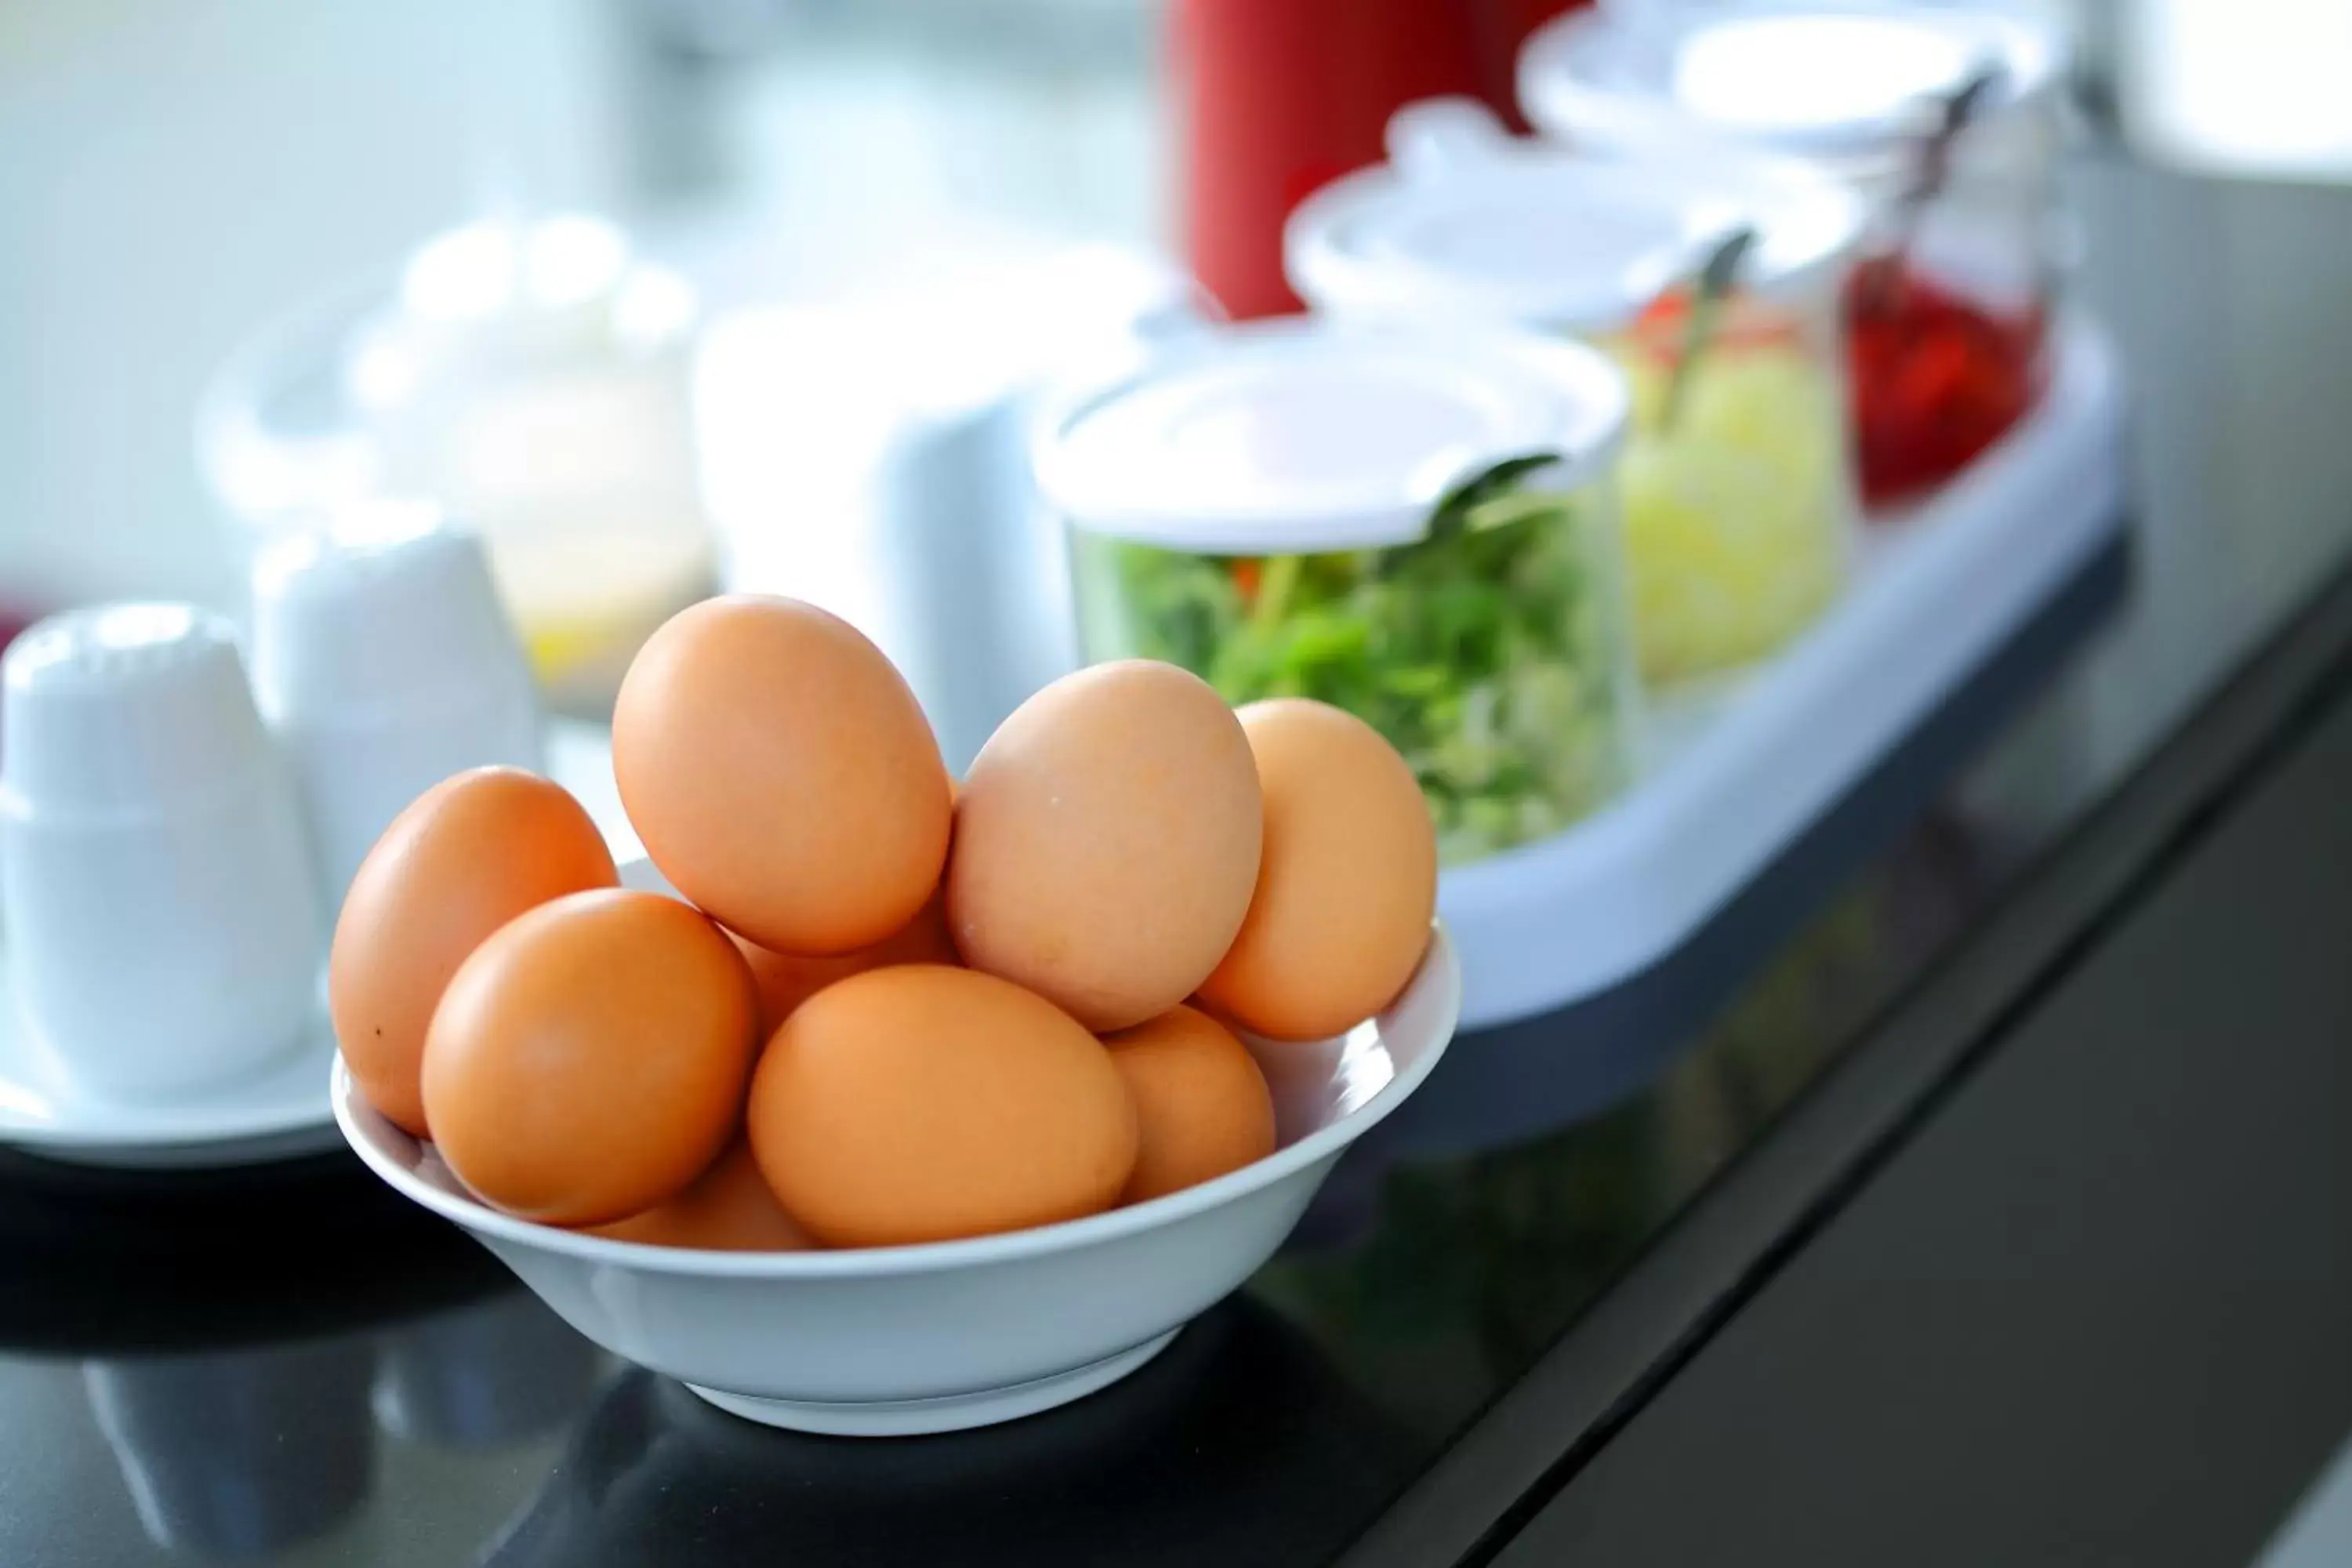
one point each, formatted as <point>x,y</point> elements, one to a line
<point>1467,219</point>
<point>1293,436</point>
<point>1833,81</point>
<point>507,296</point>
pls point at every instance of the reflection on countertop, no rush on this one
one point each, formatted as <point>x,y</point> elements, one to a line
<point>239,1453</point>
<point>1238,1446</point>
<point>1450,1250</point>
<point>484,1374</point>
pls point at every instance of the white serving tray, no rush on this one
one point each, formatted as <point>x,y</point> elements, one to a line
<point>1725,786</point>
<point>278,1111</point>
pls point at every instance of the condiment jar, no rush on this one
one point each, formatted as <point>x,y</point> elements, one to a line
<point>533,377</point>
<point>1945,118</point>
<point>1736,482</point>
<point>1421,528</point>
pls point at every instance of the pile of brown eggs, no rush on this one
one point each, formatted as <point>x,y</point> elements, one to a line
<point>888,1009</point>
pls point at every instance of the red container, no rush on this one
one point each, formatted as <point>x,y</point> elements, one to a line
<point>1274,98</point>
<point>1935,378</point>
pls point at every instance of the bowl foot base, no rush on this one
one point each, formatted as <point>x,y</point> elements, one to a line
<point>950,1413</point>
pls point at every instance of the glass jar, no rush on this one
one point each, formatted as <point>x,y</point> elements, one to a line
<point>531,378</point>
<point>1948,315</point>
<point>1419,530</point>
<point>1737,486</point>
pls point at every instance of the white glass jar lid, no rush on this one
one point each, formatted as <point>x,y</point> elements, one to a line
<point>1465,219</point>
<point>514,298</point>
<point>1829,80</point>
<point>1292,437</point>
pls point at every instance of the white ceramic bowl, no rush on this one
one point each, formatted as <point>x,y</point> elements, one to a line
<point>960,1334</point>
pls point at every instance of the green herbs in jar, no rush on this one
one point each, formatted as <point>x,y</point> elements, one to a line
<point>1489,651</point>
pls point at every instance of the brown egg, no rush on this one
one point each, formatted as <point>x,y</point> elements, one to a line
<point>788,979</point>
<point>1347,884</point>
<point>1200,1104</point>
<point>1107,842</point>
<point>728,1209</point>
<point>781,774</point>
<point>589,1060</point>
<point>923,1103</point>
<point>468,856</point>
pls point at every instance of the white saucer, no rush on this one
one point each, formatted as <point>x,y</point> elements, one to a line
<point>274,1114</point>
<point>278,1113</point>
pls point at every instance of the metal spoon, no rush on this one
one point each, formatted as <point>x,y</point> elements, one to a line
<point>1931,172</point>
<point>1714,279</point>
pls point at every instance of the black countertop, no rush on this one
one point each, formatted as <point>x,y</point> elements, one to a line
<point>2088,1306</point>
<point>289,1366</point>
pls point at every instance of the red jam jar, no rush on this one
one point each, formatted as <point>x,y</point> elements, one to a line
<point>1947,316</point>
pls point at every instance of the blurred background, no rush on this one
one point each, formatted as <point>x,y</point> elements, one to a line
<point>178,175</point>
<point>175,174</point>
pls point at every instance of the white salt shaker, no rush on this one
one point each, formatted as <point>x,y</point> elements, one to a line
<point>383,659</point>
<point>162,919</point>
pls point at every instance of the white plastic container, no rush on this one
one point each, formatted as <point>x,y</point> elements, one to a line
<point>1737,485</point>
<point>1843,84</point>
<point>164,926</point>
<point>1420,527</point>
<point>1963,271</point>
<point>384,663</point>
